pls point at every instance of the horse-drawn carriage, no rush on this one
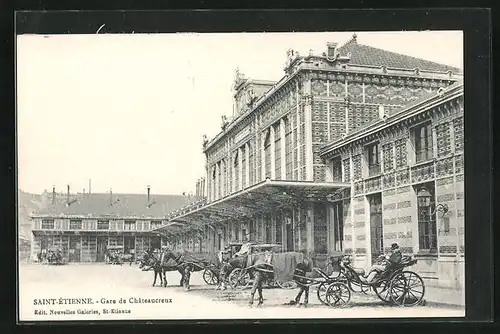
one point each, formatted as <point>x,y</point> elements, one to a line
<point>395,285</point>
<point>241,277</point>
<point>54,256</point>
<point>116,255</point>
<point>211,271</point>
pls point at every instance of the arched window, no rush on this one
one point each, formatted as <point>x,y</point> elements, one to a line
<point>277,151</point>
<point>267,154</point>
<point>236,170</point>
<point>288,150</point>
<point>251,170</point>
<point>244,180</point>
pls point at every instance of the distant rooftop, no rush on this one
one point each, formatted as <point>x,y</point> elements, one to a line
<point>117,205</point>
<point>370,56</point>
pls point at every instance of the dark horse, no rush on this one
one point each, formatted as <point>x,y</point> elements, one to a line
<point>264,269</point>
<point>159,265</point>
<point>181,263</point>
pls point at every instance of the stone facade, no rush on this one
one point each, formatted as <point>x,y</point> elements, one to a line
<point>403,174</point>
<point>280,136</point>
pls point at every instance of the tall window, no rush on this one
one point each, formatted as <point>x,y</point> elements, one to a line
<point>236,173</point>
<point>219,180</point>
<point>251,168</point>
<point>423,142</point>
<point>277,151</point>
<point>224,181</point>
<point>103,224</point>
<point>320,229</point>
<point>243,168</point>
<point>267,222</point>
<point>376,226</point>
<point>373,153</point>
<point>427,231</point>
<point>75,224</point>
<point>214,182</point>
<point>288,150</point>
<point>267,154</point>
<point>47,224</point>
<point>279,231</point>
<point>337,169</point>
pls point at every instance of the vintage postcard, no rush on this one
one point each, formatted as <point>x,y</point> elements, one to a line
<point>240,175</point>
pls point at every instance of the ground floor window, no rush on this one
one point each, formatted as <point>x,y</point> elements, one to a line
<point>427,230</point>
<point>376,227</point>
<point>338,225</point>
<point>279,227</point>
<point>320,229</point>
<point>267,222</point>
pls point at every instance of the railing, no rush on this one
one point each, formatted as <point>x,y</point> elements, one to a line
<point>374,169</point>
<point>423,155</point>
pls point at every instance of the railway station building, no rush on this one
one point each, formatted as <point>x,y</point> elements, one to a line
<point>352,149</point>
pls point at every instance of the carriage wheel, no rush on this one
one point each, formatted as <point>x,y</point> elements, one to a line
<point>383,291</point>
<point>209,277</point>
<point>358,287</point>
<point>321,292</point>
<point>407,289</point>
<point>286,285</point>
<point>239,279</point>
<point>338,294</point>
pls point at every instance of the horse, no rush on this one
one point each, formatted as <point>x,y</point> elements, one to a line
<point>127,258</point>
<point>115,257</point>
<point>158,264</point>
<point>304,274</point>
<point>186,264</point>
<point>40,256</point>
<point>112,257</point>
<point>264,269</point>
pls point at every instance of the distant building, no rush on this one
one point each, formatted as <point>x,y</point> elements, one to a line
<point>310,162</point>
<point>84,225</point>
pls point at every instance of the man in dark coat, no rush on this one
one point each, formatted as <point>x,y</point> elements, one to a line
<point>393,257</point>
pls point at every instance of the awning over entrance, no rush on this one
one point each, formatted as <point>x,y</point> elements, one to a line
<point>254,200</point>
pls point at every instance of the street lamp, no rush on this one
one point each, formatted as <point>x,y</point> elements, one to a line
<point>424,198</point>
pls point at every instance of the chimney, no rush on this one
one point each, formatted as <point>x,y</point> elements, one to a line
<point>110,197</point>
<point>67,197</point>
<point>149,194</point>
<point>53,195</point>
<point>90,186</point>
<point>381,111</point>
<point>332,48</point>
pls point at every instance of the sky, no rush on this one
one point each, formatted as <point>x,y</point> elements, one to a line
<point>127,111</point>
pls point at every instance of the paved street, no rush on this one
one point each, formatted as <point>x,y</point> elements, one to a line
<point>105,284</point>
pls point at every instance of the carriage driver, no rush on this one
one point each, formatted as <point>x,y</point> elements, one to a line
<point>393,257</point>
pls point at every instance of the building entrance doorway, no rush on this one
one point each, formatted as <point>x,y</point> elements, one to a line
<point>102,245</point>
<point>74,248</point>
<point>129,245</point>
<point>376,227</point>
<point>155,243</point>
